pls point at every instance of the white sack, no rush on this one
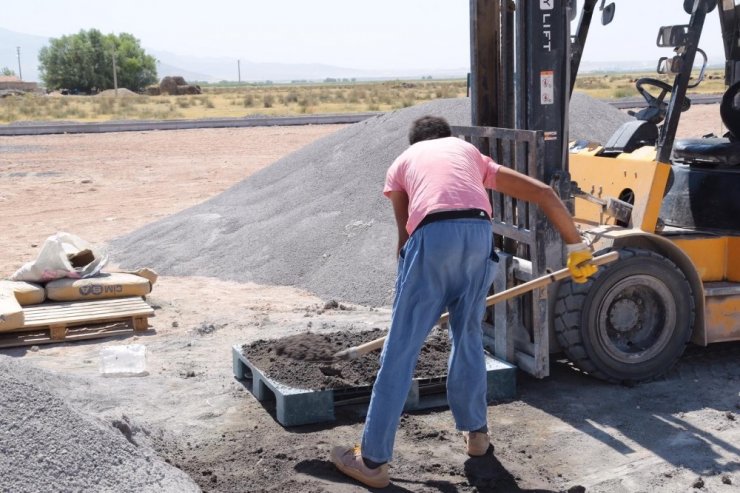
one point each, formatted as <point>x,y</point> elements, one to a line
<point>53,261</point>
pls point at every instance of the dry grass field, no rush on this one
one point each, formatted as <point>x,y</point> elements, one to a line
<point>616,86</point>
<point>232,101</point>
<point>223,101</point>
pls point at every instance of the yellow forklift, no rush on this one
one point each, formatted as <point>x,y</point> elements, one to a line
<point>671,208</point>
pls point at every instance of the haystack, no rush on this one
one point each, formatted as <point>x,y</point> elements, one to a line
<point>175,85</point>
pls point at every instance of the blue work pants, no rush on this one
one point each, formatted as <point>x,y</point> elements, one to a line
<point>444,264</point>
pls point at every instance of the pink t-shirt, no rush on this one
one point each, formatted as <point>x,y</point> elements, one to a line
<point>440,175</point>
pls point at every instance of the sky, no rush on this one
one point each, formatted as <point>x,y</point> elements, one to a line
<point>374,35</point>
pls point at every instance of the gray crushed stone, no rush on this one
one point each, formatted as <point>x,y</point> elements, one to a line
<point>317,218</point>
<point>592,119</point>
<point>47,445</point>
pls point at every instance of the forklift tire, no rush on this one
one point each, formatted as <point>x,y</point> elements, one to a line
<point>630,322</point>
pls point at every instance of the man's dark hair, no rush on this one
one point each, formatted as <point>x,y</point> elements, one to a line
<point>429,128</point>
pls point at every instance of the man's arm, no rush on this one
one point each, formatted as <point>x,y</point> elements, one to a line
<point>523,187</point>
<point>400,201</point>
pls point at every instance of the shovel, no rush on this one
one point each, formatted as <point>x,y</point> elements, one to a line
<point>357,351</point>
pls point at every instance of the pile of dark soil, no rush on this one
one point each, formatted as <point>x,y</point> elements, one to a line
<point>292,361</point>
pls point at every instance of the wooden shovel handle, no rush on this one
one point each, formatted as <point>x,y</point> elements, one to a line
<point>539,282</point>
<point>357,351</point>
<point>362,349</point>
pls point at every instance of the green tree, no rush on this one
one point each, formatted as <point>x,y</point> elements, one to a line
<point>84,62</point>
<point>6,71</point>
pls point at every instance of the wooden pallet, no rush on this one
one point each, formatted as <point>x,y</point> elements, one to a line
<point>54,322</point>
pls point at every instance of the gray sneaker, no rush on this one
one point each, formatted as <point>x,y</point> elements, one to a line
<point>349,461</point>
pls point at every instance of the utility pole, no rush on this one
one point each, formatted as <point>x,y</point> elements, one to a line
<point>239,70</point>
<point>115,75</point>
<point>20,73</point>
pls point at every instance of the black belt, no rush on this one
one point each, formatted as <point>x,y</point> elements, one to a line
<point>460,214</point>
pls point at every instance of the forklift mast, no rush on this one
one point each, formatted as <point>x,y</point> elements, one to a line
<point>522,48</point>
<point>542,82</point>
<point>579,39</point>
<point>520,92</point>
<point>521,79</point>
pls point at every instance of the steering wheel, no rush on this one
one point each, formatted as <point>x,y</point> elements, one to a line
<point>657,107</point>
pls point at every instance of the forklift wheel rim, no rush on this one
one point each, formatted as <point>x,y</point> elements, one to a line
<point>636,316</point>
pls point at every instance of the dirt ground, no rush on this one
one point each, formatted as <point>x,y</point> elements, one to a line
<point>568,432</point>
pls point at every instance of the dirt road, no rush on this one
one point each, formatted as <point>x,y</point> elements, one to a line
<point>680,433</point>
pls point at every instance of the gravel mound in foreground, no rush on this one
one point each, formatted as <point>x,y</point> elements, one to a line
<point>316,219</point>
<point>47,445</point>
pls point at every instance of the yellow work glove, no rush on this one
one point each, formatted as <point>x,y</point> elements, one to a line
<point>579,257</point>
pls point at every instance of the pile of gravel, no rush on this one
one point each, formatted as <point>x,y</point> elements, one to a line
<point>47,445</point>
<point>121,93</point>
<point>593,120</point>
<point>316,219</point>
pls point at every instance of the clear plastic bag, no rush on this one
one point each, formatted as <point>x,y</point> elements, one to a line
<point>63,255</point>
<point>123,361</point>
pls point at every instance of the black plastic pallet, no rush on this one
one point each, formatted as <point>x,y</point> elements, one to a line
<point>295,406</point>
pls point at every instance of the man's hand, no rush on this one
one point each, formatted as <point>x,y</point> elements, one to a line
<point>579,258</point>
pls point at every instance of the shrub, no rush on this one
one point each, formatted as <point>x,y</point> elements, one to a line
<point>105,106</point>
<point>357,95</point>
<point>30,110</point>
<point>624,91</point>
<point>292,97</point>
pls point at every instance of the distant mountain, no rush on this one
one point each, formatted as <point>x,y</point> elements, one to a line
<point>218,69</point>
<point>227,69</point>
<point>192,68</point>
<point>165,69</point>
<point>208,69</point>
<point>634,65</point>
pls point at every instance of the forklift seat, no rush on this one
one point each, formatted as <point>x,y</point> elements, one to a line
<point>715,152</point>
